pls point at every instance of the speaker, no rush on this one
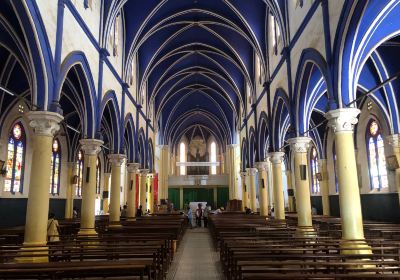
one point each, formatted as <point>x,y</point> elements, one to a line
<point>262,184</point>
<point>303,172</point>
<point>131,185</point>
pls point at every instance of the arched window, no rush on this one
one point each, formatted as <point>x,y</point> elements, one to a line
<point>79,173</point>
<point>98,172</point>
<point>213,158</point>
<point>376,157</point>
<point>314,171</point>
<point>15,159</point>
<point>275,33</point>
<point>182,157</point>
<point>55,168</point>
<point>116,35</point>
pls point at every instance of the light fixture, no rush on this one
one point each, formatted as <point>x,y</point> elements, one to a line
<point>3,171</point>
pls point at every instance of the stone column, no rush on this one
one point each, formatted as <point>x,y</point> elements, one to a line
<point>324,185</point>
<point>263,188</point>
<point>342,122</point>
<point>394,141</point>
<point>290,190</point>
<point>69,202</point>
<point>45,125</point>
<point>116,162</point>
<point>279,202</point>
<point>251,174</point>
<point>245,194</point>
<point>299,147</point>
<point>90,148</point>
<point>150,192</point>
<point>106,189</point>
<point>131,199</point>
<point>163,172</point>
<point>142,188</point>
<point>233,194</point>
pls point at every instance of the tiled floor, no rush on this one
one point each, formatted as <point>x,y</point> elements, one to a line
<point>196,258</point>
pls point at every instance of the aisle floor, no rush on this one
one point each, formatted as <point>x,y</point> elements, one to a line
<point>196,258</point>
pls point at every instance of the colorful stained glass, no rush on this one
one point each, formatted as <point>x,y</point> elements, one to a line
<point>55,168</point>
<point>314,170</point>
<point>15,159</point>
<point>373,128</point>
<point>79,169</point>
<point>97,176</point>
<point>376,157</point>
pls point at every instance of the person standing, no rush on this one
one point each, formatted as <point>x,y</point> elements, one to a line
<point>124,212</point>
<point>139,211</point>
<point>190,216</point>
<point>52,229</point>
<point>199,214</point>
<point>205,215</point>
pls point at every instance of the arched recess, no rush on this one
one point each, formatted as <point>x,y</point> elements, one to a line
<point>142,151</point>
<point>110,120</point>
<point>366,25</point>
<point>244,155</point>
<point>76,93</point>
<point>129,138</point>
<point>313,89</point>
<point>263,143</point>
<point>252,147</point>
<point>282,119</point>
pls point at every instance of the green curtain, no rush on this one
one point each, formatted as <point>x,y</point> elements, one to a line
<point>173,196</point>
<point>222,197</point>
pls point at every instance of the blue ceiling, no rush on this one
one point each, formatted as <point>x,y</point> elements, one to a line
<point>195,57</point>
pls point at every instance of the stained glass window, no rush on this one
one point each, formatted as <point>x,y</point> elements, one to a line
<point>376,157</point>
<point>314,171</point>
<point>79,171</point>
<point>55,168</point>
<point>98,176</point>
<point>15,159</point>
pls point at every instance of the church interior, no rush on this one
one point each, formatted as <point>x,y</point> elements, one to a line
<point>199,139</point>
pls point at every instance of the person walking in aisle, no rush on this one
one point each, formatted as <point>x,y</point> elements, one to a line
<point>205,215</point>
<point>199,214</point>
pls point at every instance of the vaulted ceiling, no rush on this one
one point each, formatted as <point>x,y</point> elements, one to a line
<point>195,57</point>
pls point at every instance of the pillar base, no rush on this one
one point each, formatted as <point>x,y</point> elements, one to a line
<point>41,254</point>
<point>355,247</point>
<point>87,231</point>
<point>305,232</point>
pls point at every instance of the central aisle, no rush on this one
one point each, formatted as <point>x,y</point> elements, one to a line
<point>196,258</point>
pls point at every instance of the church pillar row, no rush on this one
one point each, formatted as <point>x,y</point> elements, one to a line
<point>245,194</point>
<point>233,193</point>
<point>116,163</point>
<point>69,202</point>
<point>106,190</point>
<point>299,147</point>
<point>251,175</point>
<point>90,148</point>
<point>323,169</point>
<point>45,125</point>
<point>142,188</point>
<point>394,141</point>
<point>342,122</point>
<point>131,199</point>
<point>263,188</point>
<point>279,203</point>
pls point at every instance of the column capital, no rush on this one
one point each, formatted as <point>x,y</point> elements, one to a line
<point>91,146</point>
<point>132,167</point>
<point>116,159</point>
<point>393,140</point>
<point>44,123</point>
<point>343,120</point>
<point>163,147</point>
<point>150,175</point>
<point>261,166</point>
<point>276,157</point>
<point>251,171</point>
<point>232,146</point>
<point>300,144</point>
<point>143,172</point>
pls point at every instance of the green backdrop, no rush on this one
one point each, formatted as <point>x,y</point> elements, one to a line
<point>199,194</point>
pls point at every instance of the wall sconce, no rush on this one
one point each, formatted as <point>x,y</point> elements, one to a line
<point>3,171</point>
